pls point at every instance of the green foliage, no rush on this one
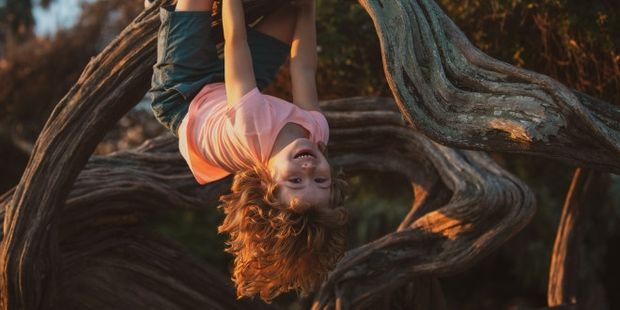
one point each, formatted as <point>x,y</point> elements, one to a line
<point>549,180</point>
<point>576,42</point>
<point>17,20</point>
<point>349,52</point>
<point>613,203</point>
<point>378,202</point>
<point>197,230</point>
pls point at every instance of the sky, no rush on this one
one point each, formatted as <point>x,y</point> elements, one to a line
<point>60,14</point>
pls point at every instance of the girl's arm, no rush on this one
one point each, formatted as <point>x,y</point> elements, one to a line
<point>238,70</point>
<point>304,58</point>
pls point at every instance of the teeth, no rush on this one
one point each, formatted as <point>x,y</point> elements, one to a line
<point>304,155</point>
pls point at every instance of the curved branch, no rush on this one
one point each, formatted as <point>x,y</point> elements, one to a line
<point>486,206</point>
<point>475,207</point>
<point>110,261</point>
<point>459,96</point>
<point>110,85</point>
<point>28,255</point>
<point>562,287</point>
<point>445,87</point>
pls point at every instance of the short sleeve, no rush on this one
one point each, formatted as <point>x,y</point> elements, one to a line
<point>322,127</point>
<point>251,115</point>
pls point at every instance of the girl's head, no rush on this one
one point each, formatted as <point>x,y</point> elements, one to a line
<point>287,225</point>
<point>302,175</point>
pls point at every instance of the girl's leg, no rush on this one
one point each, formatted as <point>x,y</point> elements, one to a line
<point>279,24</point>
<point>186,60</point>
<point>194,5</point>
<point>270,44</point>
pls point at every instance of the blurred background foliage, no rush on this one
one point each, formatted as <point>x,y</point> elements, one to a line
<point>576,42</point>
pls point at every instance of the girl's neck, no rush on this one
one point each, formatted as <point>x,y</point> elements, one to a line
<point>289,133</point>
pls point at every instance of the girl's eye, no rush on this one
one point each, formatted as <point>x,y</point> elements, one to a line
<point>295,180</point>
<point>320,180</point>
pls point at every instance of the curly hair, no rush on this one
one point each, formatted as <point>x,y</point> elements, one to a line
<point>277,249</point>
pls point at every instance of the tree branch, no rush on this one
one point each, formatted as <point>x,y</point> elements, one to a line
<point>110,85</point>
<point>466,205</point>
<point>472,214</point>
<point>564,270</point>
<point>458,96</point>
<point>476,207</point>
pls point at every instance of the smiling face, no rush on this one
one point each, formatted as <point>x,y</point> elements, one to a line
<point>301,173</point>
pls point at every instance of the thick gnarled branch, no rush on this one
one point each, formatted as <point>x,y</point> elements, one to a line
<point>110,85</point>
<point>465,206</point>
<point>459,96</point>
<point>102,215</point>
<point>483,206</point>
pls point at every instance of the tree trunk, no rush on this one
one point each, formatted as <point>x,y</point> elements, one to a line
<point>65,236</point>
<point>564,269</point>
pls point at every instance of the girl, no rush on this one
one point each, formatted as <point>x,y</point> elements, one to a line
<point>284,216</point>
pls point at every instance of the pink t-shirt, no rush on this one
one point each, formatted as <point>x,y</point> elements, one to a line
<point>217,139</point>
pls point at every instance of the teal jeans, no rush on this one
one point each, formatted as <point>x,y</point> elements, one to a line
<point>187,59</point>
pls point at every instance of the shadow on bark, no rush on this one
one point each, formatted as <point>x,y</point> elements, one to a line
<point>73,227</point>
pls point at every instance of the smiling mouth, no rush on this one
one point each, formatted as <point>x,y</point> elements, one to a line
<point>304,154</point>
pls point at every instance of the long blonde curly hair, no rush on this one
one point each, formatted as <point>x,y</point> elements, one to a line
<point>275,248</point>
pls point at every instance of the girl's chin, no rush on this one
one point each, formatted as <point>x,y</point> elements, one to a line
<point>302,145</point>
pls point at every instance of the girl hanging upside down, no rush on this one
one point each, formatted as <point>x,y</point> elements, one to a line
<point>284,214</point>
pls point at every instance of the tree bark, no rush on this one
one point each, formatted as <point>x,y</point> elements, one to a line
<point>102,238</point>
<point>572,281</point>
<point>110,260</point>
<point>62,234</point>
<point>457,95</point>
<point>109,86</point>
<point>564,269</point>
<point>477,206</point>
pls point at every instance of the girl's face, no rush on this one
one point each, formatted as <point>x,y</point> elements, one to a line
<point>301,172</point>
